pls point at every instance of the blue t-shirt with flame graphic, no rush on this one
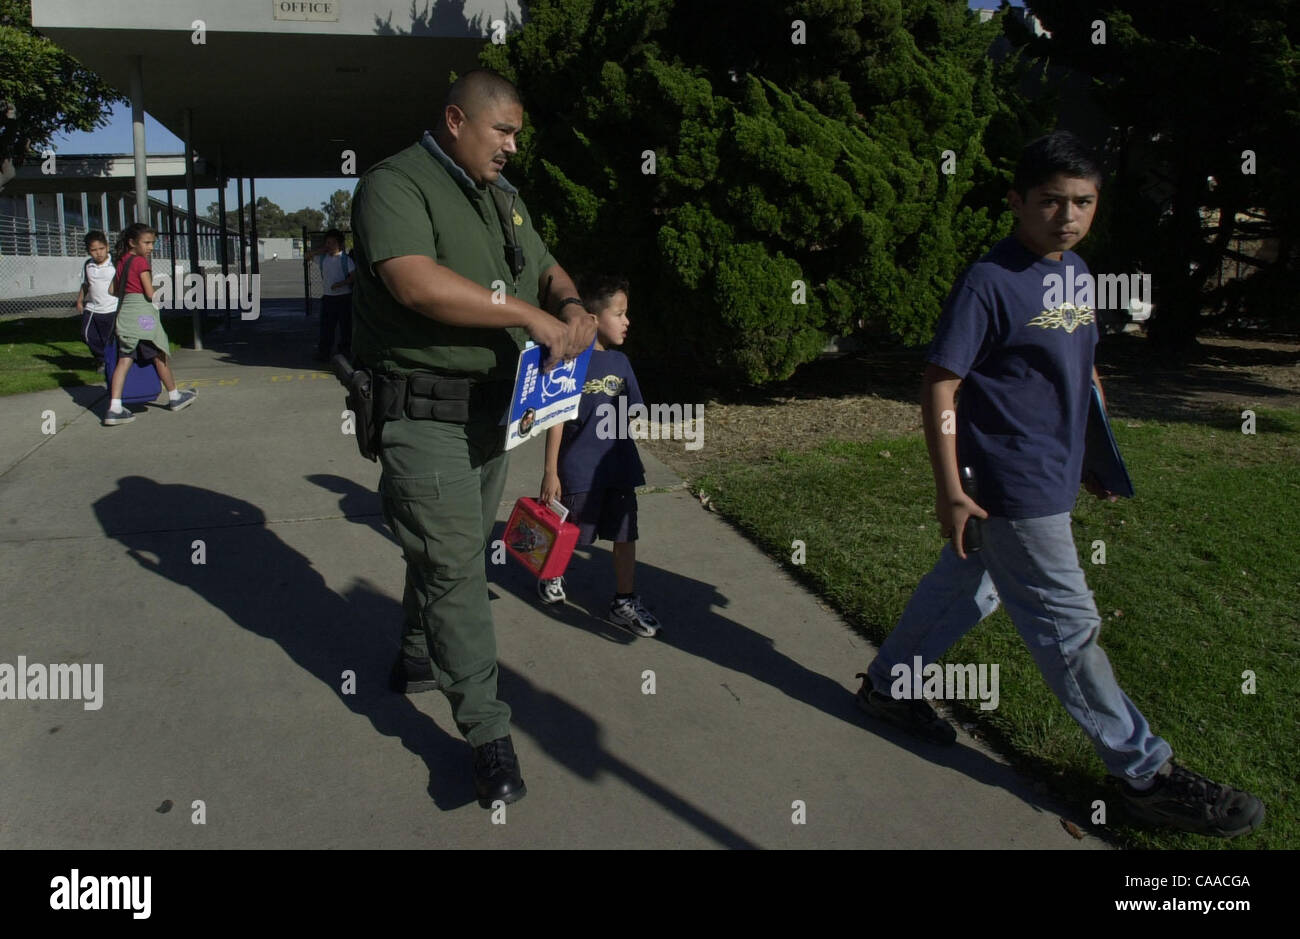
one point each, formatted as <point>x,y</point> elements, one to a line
<point>596,451</point>
<point>1022,408</point>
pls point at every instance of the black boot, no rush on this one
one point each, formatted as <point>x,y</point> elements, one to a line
<point>412,675</point>
<point>496,773</point>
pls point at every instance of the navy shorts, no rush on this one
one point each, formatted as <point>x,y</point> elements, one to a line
<point>608,514</point>
<point>143,353</point>
<point>97,330</point>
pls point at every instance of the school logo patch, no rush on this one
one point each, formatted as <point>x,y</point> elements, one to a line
<point>1067,316</point>
<point>145,322</point>
<point>611,385</point>
<point>519,219</point>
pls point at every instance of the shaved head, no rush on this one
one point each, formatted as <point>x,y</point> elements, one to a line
<point>480,122</point>
<point>479,87</point>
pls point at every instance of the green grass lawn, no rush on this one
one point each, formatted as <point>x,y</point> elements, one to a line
<point>47,352</point>
<point>1199,586</point>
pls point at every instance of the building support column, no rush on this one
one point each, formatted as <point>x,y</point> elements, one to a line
<point>221,213</point>
<point>243,248</point>
<point>137,139</point>
<point>31,224</point>
<point>252,221</point>
<point>63,227</point>
<point>192,229</point>
<point>221,223</point>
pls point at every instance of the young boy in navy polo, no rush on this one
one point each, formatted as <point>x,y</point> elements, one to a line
<point>97,308</point>
<point>592,465</point>
<point>1025,372</point>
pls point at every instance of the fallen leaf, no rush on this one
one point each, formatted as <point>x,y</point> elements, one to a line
<point>1072,828</point>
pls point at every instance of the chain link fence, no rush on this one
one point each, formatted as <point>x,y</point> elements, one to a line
<point>41,263</point>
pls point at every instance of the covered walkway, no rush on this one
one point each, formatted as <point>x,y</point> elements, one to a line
<point>290,89</point>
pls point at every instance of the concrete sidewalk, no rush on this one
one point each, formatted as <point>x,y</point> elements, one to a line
<point>224,681</point>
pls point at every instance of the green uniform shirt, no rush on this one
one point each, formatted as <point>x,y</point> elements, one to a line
<point>418,201</point>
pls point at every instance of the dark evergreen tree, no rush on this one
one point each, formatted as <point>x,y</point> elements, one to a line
<point>792,144</point>
<point>1195,92</point>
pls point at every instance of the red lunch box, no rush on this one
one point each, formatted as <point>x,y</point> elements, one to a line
<point>539,539</point>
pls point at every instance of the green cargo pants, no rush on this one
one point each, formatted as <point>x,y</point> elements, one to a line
<point>441,486</point>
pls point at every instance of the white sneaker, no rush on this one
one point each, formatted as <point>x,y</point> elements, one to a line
<point>630,614</point>
<point>552,590</point>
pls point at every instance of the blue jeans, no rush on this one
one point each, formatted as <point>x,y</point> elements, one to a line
<point>1032,565</point>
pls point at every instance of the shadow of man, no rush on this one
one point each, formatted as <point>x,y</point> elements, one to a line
<point>358,504</point>
<point>270,589</point>
<point>573,739</point>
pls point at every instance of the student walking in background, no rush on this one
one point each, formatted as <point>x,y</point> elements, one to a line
<point>140,334</point>
<point>336,272</point>
<point>95,301</point>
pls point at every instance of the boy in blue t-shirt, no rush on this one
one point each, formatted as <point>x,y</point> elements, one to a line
<point>1024,362</point>
<point>592,465</point>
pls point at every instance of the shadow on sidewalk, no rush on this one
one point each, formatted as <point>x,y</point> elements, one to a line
<point>272,590</point>
<point>87,396</point>
<point>359,505</point>
<point>686,607</point>
<point>282,337</point>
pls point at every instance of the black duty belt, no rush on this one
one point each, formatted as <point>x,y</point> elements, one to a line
<point>429,396</point>
<point>421,395</point>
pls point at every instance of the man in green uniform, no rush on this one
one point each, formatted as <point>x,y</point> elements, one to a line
<point>451,278</point>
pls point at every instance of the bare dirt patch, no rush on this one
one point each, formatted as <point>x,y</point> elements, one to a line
<point>866,395</point>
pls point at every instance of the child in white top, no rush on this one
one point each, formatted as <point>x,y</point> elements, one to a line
<point>96,306</point>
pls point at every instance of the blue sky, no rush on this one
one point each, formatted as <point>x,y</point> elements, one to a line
<point>288,194</point>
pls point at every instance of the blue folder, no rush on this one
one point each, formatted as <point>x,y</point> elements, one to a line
<point>1101,459</point>
<point>543,399</point>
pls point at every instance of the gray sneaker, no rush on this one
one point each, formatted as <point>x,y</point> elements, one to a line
<point>184,401</point>
<point>120,416</point>
<point>915,717</point>
<point>630,614</point>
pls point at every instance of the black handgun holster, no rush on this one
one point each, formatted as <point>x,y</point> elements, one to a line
<point>368,422</point>
<point>375,398</point>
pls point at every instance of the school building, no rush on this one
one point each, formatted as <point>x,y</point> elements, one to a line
<point>255,89</point>
<point>44,218</point>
